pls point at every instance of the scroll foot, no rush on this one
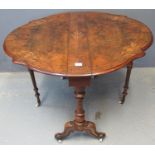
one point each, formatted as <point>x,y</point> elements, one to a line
<point>69,127</point>
<point>90,128</point>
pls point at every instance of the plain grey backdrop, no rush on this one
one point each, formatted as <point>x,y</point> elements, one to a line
<point>10,19</point>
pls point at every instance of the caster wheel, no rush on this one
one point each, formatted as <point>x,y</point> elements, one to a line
<point>101,137</point>
<point>58,138</point>
<point>59,141</point>
<point>37,105</point>
<point>120,102</point>
<point>101,140</point>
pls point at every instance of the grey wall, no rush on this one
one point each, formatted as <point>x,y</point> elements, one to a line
<point>10,19</point>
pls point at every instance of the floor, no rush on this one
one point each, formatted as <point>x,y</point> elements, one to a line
<point>132,123</point>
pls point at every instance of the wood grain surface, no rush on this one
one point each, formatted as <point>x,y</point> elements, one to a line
<point>78,44</point>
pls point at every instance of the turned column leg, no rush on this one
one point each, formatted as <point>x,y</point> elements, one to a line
<point>35,87</point>
<point>79,112</point>
<point>79,123</point>
<point>126,85</point>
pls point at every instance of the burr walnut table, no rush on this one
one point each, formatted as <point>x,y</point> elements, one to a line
<point>78,46</point>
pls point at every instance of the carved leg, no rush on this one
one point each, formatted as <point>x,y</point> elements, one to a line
<point>90,128</point>
<point>126,86</point>
<point>35,87</point>
<point>79,123</point>
<point>69,127</point>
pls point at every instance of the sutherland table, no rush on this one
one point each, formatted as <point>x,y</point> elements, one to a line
<point>78,46</point>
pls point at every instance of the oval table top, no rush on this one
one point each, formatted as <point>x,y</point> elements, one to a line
<point>78,44</point>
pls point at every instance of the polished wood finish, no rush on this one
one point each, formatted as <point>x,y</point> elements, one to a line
<point>126,85</point>
<point>79,46</point>
<point>99,42</point>
<point>79,123</point>
<point>35,87</point>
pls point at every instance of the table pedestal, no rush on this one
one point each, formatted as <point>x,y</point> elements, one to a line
<point>79,123</point>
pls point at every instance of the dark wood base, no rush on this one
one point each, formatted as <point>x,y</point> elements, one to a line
<point>87,126</point>
<point>79,123</point>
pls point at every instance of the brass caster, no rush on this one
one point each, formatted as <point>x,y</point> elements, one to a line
<point>120,102</point>
<point>101,137</point>
<point>37,105</point>
<point>100,140</point>
<point>58,137</point>
<point>59,141</point>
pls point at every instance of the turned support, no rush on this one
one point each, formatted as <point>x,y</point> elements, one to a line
<point>126,85</point>
<point>35,87</point>
<point>79,112</point>
<point>79,123</point>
